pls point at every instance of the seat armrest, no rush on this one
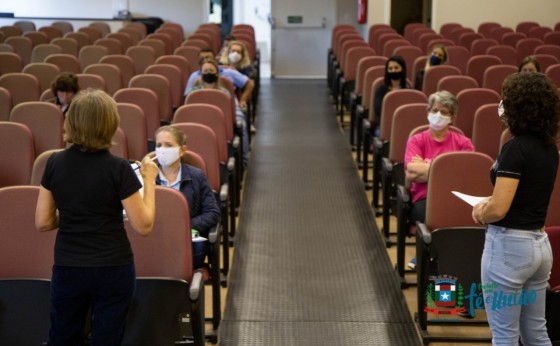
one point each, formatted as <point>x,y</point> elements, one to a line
<point>359,109</point>
<point>236,142</point>
<point>196,286</point>
<point>378,143</point>
<point>422,232</point>
<point>353,96</point>
<point>367,124</point>
<point>214,234</point>
<point>402,194</point>
<point>387,164</point>
<point>224,192</point>
<point>231,164</point>
<point>342,80</point>
<point>239,124</point>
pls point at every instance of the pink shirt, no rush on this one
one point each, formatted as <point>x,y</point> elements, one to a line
<point>425,146</point>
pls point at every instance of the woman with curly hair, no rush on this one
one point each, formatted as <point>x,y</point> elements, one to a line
<point>517,258</point>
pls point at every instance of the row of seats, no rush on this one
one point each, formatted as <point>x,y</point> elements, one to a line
<point>208,119</point>
<point>354,75</point>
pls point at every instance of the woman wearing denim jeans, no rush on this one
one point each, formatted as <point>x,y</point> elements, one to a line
<point>517,258</point>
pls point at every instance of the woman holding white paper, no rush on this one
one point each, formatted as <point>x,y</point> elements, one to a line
<point>517,258</point>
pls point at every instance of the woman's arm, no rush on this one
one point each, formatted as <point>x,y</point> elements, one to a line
<point>46,217</point>
<point>417,170</point>
<point>141,210</point>
<point>210,212</point>
<point>495,207</point>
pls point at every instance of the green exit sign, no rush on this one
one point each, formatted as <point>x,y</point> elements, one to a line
<point>295,19</point>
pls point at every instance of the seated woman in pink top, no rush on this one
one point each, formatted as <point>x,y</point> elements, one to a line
<point>423,147</point>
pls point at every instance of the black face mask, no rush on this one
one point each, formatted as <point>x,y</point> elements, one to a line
<point>394,75</point>
<point>209,77</point>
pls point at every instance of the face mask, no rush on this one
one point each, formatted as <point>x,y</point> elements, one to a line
<point>435,60</point>
<point>234,57</point>
<point>438,121</point>
<point>394,75</point>
<point>167,156</point>
<point>210,77</point>
<point>501,110</point>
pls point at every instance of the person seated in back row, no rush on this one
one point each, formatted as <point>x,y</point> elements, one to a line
<point>425,146</point>
<point>239,80</point>
<point>438,56</point>
<point>64,87</point>
<point>237,56</point>
<point>529,64</point>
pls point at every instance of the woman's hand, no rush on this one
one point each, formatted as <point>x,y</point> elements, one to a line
<point>148,169</point>
<point>478,211</point>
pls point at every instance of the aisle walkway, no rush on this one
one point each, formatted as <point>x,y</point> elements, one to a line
<point>309,266</point>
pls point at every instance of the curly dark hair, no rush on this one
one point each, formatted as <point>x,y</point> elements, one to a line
<point>531,105</point>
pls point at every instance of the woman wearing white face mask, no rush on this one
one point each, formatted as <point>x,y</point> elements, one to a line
<point>423,147</point>
<point>237,56</point>
<point>190,181</point>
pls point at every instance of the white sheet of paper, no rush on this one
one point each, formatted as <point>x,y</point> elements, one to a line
<point>471,200</point>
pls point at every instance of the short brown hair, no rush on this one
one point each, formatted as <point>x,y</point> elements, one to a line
<point>176,132</point>
<point>91,121</point>
<point>65,82</point>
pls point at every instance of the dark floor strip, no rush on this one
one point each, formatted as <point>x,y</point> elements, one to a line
<point>310,268</point>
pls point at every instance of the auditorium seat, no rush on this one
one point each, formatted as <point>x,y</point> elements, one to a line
<point>148,101</point>
<point>87,80</point>
<point>478,64</point>
<point>124,64</point>
<point>180,62</point>
<point>133,123</point>
<point>142,56</point>
<point>81,38</point>
<point>64,26</point>
<point>37,37</point>
<point>174,77</point>
<point>469,100</point>
<point>51,31</point>
<point>65,62</point>
<point>507,54</point>
<point>458,56</point>
<point>68,45</point>
<point>455,83</point>
<point>494,76</point>
<point>5,104</point>
<point>10,63</point>
<point>45,73</point>
<point>157,45</point>
<point>110,73</point>
<point>91,54</point>
<point>16,140</point>
<point>487,130</point>
<point>22,47</point>
<point>42,51</point>
<point>113,45</point>
<point>45,120</point>
<point>22,86</point>
<point>161,86</point>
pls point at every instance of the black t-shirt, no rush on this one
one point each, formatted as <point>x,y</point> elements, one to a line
<point>535,164</point>
<point>88,189</point>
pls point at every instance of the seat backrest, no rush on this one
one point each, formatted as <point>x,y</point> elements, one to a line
<point>511,38</point>
<point>410,28</point>
<point>346,47</point>
<point>88,80</point>
<point>81,38</point>
<point>67,44</point>
<point>193,159</point>
<point>125,65</point>
<point>198,43</point>
<point>409,54</point>
<point>22,47</point>
<point>486,27</point>
<point>507,54</point>
<point>391,102</point>
<point>166,39</point>
<point>552,38</point>
<point>91,54</point>
<point>174,77</point>
<point>157,45</point>
<point>353,56</point>
<point>5,48</point>
<point>390,46</point>
<point>202,140</point>
<point>208,115</point>
<point>414,38</point>
<point>469,100</point>
<point>553,72</point>
<point>478,64</point>
<point>176,36</point>
<point>142,56</point>
<point>456,83</point>
<point>551,49</point>
<point>487,130</point>
<point>25,25</point>
<point>217,98</point>
<point>37,37</point>
<point>123,38</point>
<point>494,76</point>
<point>383,38</point>
<point>189,53</point>
<point>41,51</point>
<point>120,146</point>
<point>45,120</point>
<point>458,56</point>
<point>5,104</point>
<point>373,38</point>
<point>51,31</point>
<point>39,166</point>
<point>45,73</point>
<point>526,26</point>
<point>93,33</point>
<point>167,251</point>
<point>22,86</point>
<point>447,28</point>
<point>133,123</point>
<point>525,47</point>
<point>24,251</point>
<point>425,39</point>
<point>456,34</point>
<point>363,65</point>
<point>145,99</point>
<point>406,118</point>
<point>161,86</point>
<point>63,26</point>
<point>134,34</point>
<point>371,75</point>
<point>113,45</point>
<point>65,62</point>
<point>181,63</point>
<point>103,27</point>
<point>443,209</point>
<point>481,45</point>
<point>467,39</point>
<point>539,32</point>
<point>110,73</point>
<point>433,75</point>
<point>498,33</point>
<point>16,141</point>
<point>546,60</point>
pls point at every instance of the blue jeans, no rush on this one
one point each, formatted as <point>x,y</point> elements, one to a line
<point>516,266</point>
<point>107,290</point>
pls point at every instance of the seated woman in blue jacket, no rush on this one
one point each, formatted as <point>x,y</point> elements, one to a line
<point>190,181</point>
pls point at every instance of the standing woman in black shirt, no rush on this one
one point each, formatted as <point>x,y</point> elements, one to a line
<point>83,191</point>
<point>517,258</point>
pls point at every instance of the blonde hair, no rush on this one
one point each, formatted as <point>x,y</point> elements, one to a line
<point>91,121</point>
<point>176,132</point>
<point>245,58</point>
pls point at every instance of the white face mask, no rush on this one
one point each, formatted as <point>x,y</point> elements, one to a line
<point>501,109</point>
<point>234,57</point>
<point>167,156</point>
<point>438,121</point>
